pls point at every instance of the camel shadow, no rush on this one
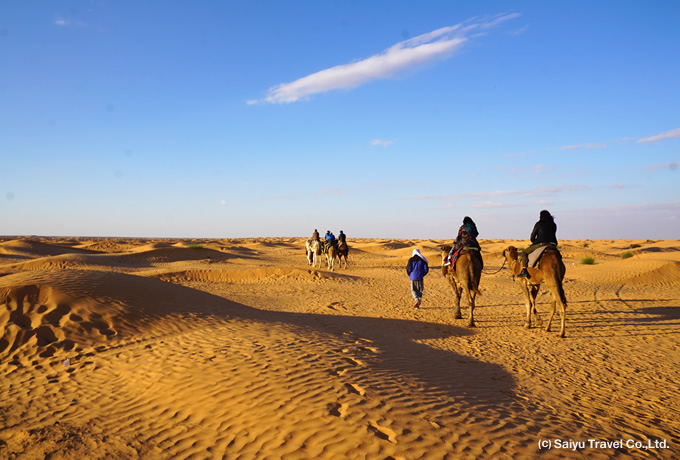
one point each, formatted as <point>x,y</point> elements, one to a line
<point>398,345</point>
<point>399,352</point>
<point>654,319</point>
<point>390,350</point>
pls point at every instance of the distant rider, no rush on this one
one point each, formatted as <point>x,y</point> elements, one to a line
<point>467,238</point>
<point>544,233</point>
<point>342,238</point>
<point>330,240</point>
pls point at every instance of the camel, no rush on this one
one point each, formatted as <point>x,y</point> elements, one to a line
<point>551,272</point>
<point>343,251</point>
<point>464,280</point>
<point>313,249</point>
<point>331,255</point>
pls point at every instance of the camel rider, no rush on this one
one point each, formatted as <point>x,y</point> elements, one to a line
<point>330,240</point>
<point>342,238</point>
<point>315,235</point>
<point>544,233</point>
<point>467,238</point>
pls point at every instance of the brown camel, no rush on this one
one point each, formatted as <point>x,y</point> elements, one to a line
<point>343,251</point>
<point>464,279</point>
<point>331,255</point>
<point>551,272</point>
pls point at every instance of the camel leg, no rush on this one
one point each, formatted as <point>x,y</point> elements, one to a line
<point>456,308</point>
<point>527,300</point>
<point>563,310</point>
<point>471,299</point>
<point>534,294</point>
<point>552,313</point>
<point>563,313</point>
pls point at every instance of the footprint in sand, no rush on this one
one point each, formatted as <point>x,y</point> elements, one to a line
<point>338,410</point>
<point>356,389</point>
<point>382,432</point>
<point>355,361</point>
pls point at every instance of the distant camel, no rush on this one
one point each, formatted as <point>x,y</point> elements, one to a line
<point>551,272</point>
<point>343,251</point>
<point>464,280</point>
<point>313,249</point>
<point>331,255</point>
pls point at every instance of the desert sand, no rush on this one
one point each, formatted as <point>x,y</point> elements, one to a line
<point>236,348</point>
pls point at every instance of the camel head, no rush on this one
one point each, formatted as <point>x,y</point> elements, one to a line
<point>510,253</point>
<point>445,251</point>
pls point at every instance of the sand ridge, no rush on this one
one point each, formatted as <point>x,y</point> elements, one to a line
<point>236,348</point>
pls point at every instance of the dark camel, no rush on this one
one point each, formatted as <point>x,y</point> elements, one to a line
<point>343,252</point>
<point>464,279</point>
<point>551,272</point>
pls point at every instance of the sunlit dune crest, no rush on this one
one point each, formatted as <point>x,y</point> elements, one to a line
<point>237,348</point>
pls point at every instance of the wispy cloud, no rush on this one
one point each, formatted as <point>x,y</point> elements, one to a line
<point>332,191</point>
<point>535,192</point>
<point>584,146</point>
<point>673,133</point>
<point>62,21</point>
<point>537,169</point>
<point>673,166</point>
<point>405,55</point>
<point>494,205</point>
<point>381,142</point>
<point>520,31</point>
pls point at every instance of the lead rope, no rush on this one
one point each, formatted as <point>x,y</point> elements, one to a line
<point>493,273</point>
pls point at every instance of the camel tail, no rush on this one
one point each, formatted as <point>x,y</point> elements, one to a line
<point>560,291</point>
<point>474,289</point>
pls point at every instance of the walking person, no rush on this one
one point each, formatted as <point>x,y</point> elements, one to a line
<point>417,268</point>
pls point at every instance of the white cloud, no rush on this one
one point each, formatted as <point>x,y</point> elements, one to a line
<point>494,205</point>
<point>540,169</point>
<point>672,166</point>
<point>381,142</point>
<point>61,22</point>
<point>520,31</point>
<point>535,192</point>
<point>584,146</point>
<point>405,55</point>
<point>331,192</point>
<point>673,133</point>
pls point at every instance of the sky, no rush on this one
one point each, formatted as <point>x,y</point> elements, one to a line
<point>384,119</point>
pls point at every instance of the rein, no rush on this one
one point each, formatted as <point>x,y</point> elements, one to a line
<point>493,273</point>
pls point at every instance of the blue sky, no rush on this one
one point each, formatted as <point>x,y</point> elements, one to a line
<point>383,118</point>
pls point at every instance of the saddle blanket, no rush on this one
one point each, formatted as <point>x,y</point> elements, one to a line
<point>535,255</point>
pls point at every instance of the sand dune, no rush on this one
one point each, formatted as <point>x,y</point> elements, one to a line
<point>237,349</point>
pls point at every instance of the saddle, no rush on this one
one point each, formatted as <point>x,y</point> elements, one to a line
<point>535,255</point>
<point>474,252</point>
